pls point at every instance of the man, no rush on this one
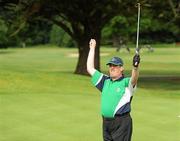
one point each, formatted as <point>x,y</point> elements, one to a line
<point>116,95</point>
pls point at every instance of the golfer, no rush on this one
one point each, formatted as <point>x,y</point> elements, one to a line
<point>116,95</point>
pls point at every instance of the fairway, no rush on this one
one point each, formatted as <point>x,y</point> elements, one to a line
<point>42,100</point>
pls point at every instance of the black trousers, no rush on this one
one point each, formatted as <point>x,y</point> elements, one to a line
<point>118,128</point>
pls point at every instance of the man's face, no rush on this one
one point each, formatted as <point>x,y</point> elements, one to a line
<point>115,71</point>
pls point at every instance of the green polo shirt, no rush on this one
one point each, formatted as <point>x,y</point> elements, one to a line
<point>115,95</point>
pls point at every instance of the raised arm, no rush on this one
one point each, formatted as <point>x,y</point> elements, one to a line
<point>90,59</point>
<point>135,70</point>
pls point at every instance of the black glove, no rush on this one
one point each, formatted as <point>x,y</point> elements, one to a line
<point>136,60</point>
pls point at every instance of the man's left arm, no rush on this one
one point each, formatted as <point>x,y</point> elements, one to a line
<point>135,70</point>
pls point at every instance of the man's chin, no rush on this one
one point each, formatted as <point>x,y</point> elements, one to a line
<point>112,76</point>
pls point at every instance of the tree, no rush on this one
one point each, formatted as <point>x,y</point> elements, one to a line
<point>27,33</point>
<point>81,19</point>
<point>84,19</point>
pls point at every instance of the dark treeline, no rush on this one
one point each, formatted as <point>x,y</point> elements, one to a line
<point>45,32</point>
<point>153,29</point>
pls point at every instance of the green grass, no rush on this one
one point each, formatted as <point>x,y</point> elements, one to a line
<point>42,100</point>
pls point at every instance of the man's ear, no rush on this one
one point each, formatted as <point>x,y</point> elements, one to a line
<point>122,68</point>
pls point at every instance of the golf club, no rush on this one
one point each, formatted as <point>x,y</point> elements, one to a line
<point>137,39</point>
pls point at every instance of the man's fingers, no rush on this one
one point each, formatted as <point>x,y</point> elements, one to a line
<point>92,43</point>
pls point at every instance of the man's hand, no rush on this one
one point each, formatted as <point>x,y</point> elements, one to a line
<point>135,72</point>
<point>92,43</point>
<point>136,60</point>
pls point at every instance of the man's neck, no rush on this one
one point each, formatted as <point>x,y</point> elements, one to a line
<point>116,78</point>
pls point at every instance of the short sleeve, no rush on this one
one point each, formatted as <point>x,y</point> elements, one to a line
<point>127,80</point>
<point>98,79</point>
<point>131,87</point>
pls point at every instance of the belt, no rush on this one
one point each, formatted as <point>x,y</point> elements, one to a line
<point>121,115</point>
<point>116,116</point>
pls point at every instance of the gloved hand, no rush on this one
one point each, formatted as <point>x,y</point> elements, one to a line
<point>136,60</point>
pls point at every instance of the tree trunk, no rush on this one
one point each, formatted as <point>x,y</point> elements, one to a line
<point>83,46</point>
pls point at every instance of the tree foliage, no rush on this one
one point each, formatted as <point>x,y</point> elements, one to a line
<point>158,23</point>
<point>59,37</point>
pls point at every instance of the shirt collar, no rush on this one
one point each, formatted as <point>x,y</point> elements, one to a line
<point>120,78</point>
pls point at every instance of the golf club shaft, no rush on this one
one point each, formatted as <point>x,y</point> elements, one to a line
<point>137,39</point>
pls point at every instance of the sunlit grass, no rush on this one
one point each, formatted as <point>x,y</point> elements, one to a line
<point>42,100</point>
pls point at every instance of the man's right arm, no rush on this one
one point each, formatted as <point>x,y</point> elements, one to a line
<point>90,59</point>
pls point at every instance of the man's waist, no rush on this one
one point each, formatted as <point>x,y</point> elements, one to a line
<point>116,116</point>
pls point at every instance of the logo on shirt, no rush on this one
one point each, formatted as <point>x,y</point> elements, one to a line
<point>118,90</point>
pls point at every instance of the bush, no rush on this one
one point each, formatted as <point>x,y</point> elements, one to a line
<point>59,37</point>
<point>3,34</point>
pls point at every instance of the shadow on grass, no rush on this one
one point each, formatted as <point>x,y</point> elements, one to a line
<point>148,82</point>
<point>5,51</point>
<point>159,82</point>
